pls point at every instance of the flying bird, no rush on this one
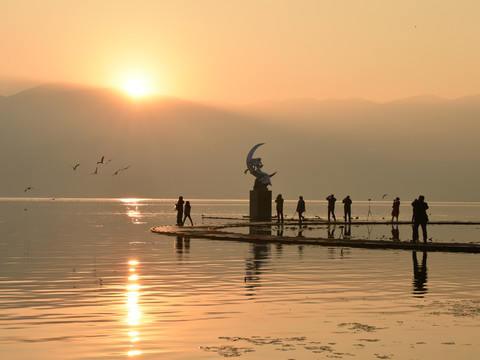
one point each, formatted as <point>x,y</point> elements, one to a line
<point>101,161</point>
<point>95,172</point>
<point>122,169</point>
<point>28,188</point>
<point>74,167</point>
<point>383,197</point>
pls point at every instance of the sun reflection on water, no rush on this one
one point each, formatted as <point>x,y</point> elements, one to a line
<point>134,315</point>
<point>133,210</point>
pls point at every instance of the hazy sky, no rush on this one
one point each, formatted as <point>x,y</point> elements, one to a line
<point>242,51</point>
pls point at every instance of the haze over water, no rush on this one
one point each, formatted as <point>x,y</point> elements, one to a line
<point>85,279</point>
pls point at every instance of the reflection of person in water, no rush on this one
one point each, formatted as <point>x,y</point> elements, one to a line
<point>419,275</point>
<point>280,230</point>
<point>301,229</point>
<point>348,233</point>
<point>182,243</point>
<point>395,233</point>
<point>331,232</point>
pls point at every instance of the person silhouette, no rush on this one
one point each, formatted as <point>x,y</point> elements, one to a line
<point>300,208</point>
<point>187,213</point>
<point>395,208</point>
<point>420,218</point>
<point>279,200</point>
<point>347,208</point>
<point>331,207</point>
<point>419,275</point>
<point>179,209</point>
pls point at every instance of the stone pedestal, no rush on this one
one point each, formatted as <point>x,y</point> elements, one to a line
<point>260,205</point>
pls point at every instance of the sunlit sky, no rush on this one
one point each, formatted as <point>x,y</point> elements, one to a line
<point>243,51</point>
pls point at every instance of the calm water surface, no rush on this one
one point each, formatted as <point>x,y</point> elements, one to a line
<point>85,279</point>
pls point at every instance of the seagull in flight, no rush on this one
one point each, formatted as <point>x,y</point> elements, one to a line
<point>122,169</point>
<point>101,161</point>
<point>95,172</point>
<point>28,188</point>
<point>74,167</point>
<point>383,197</point>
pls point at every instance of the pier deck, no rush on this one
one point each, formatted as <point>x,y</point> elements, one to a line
<point>218,232</point>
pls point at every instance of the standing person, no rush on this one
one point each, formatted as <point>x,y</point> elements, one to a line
<point>331,207</point>
<point>187,213</point>
<point>279,200</point>
<point>396,208</point>
<point>179,210</point>
<point>347,207</point>
<point>300,208</point>
<point>420,217</point>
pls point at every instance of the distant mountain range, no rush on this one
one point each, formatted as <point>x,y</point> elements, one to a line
<point>422,144</point>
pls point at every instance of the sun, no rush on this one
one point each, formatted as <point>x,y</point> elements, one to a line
<point>136,87</point>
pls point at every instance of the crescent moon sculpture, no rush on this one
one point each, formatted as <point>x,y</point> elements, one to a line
<point>254,166</point>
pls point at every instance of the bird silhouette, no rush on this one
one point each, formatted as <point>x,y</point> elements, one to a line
<point>28,188</point>
<point>74,167</point>
<point>383,197</point>
<point>101,160</point>
<point>119,170</point>
<point>95,172</point>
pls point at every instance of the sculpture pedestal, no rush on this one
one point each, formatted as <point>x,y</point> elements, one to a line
<point>260,205</point>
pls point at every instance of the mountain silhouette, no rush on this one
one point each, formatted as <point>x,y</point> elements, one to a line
<point>416,145</point>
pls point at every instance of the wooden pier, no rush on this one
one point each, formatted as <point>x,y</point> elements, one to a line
<point>219,232</point>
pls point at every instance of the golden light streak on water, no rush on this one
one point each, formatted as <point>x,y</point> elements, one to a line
<point>134,314</point>
<point>133,210</point>
<point>134,352</point>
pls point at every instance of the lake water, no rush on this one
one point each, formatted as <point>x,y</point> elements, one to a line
<point>86,279</point>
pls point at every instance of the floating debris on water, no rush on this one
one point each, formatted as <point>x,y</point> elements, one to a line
<point>360,327</point>
<point>227,350</point>
<point>461,308</point>
<point>369,340</point>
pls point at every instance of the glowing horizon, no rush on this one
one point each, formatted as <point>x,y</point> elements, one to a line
<point>374,50</point>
